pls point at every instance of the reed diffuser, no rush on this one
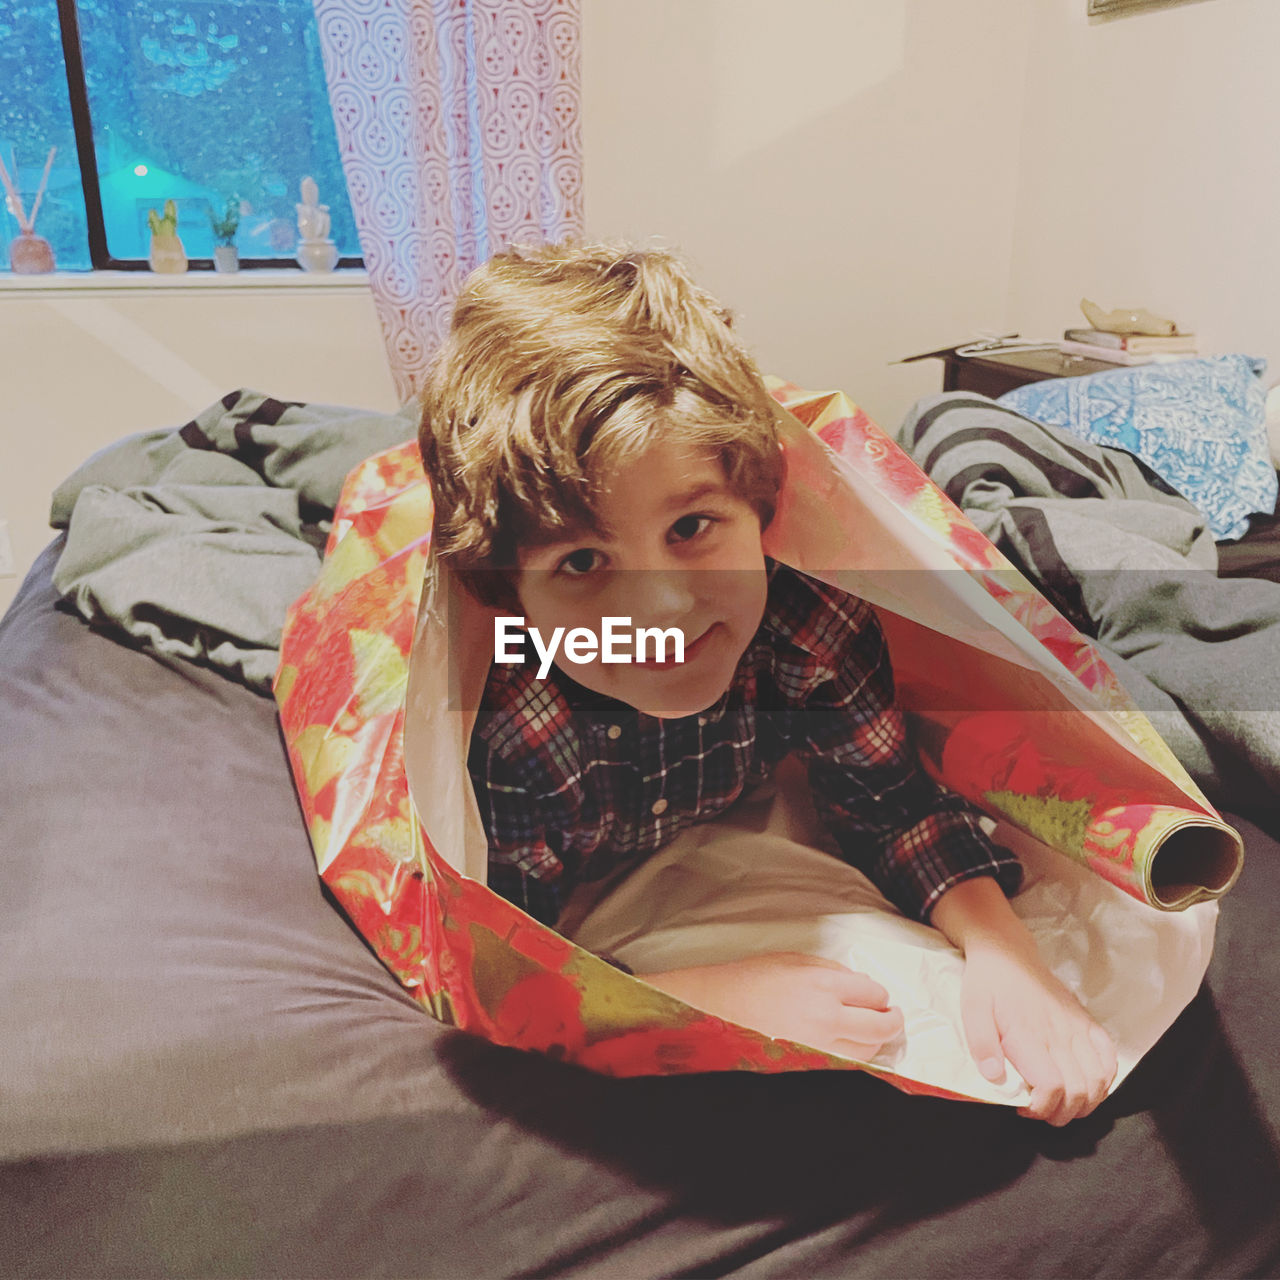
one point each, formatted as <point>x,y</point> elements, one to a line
<point>29,254</point>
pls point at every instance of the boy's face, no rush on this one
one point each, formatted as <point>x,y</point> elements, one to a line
<point>678,549</point>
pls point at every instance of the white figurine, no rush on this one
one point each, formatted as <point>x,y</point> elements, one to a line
<point>316,252</point>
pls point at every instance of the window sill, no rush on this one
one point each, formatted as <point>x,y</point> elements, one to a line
<point>98,284</point>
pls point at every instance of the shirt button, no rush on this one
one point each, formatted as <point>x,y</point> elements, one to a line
<point>702,721</point>
<point>658,808</point>
<point>614,731</point>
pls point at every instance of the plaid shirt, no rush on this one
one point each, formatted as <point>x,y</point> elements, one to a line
<point>573,784</point>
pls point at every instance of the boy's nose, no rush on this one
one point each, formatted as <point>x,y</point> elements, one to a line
<point>661,597</point>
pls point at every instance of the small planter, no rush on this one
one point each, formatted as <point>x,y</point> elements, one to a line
<point>167,254</point>
<point>317,255</point>
<point>30,254</point>
<point>226,257</point>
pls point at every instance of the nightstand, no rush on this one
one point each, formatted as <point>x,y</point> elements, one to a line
<point>992,373</point>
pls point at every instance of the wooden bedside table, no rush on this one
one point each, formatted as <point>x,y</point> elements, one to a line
<point>992,373</point>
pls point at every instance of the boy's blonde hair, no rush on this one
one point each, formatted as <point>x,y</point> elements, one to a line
<point>562,363</point>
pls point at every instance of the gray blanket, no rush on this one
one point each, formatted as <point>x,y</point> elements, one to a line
<point>1131,563</point>
<point>195,540</point>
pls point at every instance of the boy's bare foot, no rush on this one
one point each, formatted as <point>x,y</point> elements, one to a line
<point>791,996</point>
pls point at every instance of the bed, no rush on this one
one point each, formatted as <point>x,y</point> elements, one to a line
<point>206,1072</point>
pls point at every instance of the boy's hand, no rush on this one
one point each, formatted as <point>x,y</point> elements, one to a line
<point>1014,1008</point>
<point>794,997</point>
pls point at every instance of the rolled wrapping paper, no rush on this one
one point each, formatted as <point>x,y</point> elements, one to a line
<point>383,661</point>
<point>760,881</point>
<point>992,675</point>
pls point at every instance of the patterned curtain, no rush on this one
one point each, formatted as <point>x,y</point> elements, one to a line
<point>459,126</point>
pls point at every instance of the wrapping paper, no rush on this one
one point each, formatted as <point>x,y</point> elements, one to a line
<point>761,880</point>
<point>383,657</point>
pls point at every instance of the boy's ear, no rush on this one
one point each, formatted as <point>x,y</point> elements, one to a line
<point>492,588</point>
<point>503,592</point>
<point>766,517</point>
<point>510,600</point>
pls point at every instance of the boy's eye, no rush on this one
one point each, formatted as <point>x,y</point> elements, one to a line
<point>580,562</point>
<point>689,527</point>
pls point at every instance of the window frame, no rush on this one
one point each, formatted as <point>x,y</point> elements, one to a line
<point>100,257</point>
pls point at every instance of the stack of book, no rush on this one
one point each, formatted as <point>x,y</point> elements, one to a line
<point>1125,348</point>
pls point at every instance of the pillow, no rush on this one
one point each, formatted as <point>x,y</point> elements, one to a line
<point>1200,424</point>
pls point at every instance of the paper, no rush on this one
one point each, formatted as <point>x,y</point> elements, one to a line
<point>381,669</point>
<point>759,881</point>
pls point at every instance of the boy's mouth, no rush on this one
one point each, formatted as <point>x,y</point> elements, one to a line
<point>691,651</point>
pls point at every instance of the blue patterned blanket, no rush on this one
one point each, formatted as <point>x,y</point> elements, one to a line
<point>1200,424</point>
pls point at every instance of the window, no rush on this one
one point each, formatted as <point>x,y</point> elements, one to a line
<point>196,101</point>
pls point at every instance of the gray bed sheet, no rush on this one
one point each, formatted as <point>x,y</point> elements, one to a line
<point>204,1072</point>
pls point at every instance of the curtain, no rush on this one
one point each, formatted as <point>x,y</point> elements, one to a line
<point>459,127</point>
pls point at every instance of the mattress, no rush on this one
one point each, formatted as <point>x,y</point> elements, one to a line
<point>204,1071</point>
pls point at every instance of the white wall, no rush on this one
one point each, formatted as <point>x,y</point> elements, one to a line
<point>1150,170</point>
<point>841,173</point>
<point>77,372</point>
<point>861,179</point>
<point>858,179</point>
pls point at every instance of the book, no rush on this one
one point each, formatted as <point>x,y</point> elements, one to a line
<point>1113,355</point>
<point>1138,343</point>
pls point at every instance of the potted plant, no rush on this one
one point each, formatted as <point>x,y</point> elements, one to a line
<point>225,255</point>
<point>167,253</point>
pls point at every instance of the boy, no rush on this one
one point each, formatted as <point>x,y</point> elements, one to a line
<point>601,447</point>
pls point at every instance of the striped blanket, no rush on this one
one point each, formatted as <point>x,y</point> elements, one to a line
<point>195,540</point>
<point>1131,563</point>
